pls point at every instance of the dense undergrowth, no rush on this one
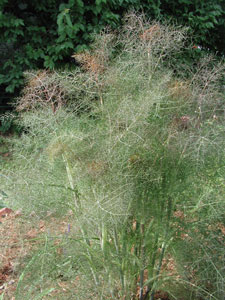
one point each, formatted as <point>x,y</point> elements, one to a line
<point>137,155</point>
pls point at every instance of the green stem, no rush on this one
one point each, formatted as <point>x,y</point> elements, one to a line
<point>142,253</point>
<point>70,179</point>
<point>119,256</point>
<point>164,244</point>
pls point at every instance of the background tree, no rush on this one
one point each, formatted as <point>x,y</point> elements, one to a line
<point>46,33</point>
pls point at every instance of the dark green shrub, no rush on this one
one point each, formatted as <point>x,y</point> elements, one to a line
<point>46,33</point>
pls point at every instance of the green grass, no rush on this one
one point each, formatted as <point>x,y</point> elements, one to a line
<point>141,169</point>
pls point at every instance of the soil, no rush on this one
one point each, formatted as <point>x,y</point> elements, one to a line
<point>18,238</point>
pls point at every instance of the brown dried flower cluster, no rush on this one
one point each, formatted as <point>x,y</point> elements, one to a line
<point>179,89</point>
<point>42,89</point>
<point>151,33</point>
<point>90,62</point>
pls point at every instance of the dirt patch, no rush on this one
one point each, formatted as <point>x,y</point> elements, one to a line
<point>20,236</point>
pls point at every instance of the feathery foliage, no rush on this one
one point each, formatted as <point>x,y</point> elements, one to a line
<point>141,169</point>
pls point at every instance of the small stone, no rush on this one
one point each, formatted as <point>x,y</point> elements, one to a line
<point>11,282</point>
<point>18,213</point>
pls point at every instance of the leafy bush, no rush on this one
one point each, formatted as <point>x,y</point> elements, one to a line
<point>45,34</point>
<point>141,171</point>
